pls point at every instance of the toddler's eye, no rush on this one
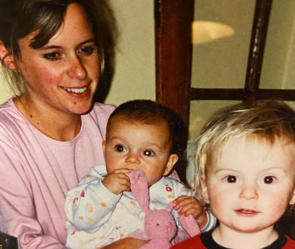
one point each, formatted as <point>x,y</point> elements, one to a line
<point>120,148</point>
<point>269,179</point>
<point>148,153</point>
<point>231,179</point>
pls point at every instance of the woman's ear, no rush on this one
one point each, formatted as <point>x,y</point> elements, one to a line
<point>204,189</point>
<point>6,57</point>
<point>173,158</point>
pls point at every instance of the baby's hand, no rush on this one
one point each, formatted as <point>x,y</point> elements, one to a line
<point>186,205</point>
<point>117,181</point>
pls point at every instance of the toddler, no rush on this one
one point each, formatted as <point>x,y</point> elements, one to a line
<point>244,163</point>
<point>140,134</point>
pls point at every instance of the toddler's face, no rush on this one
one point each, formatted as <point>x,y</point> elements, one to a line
<point>251,184</point>
<point>135,145</point>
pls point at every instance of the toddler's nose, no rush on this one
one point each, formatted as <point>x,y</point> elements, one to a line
<point>249,191</point>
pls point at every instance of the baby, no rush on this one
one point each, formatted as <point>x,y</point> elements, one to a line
<point>244,162</point>
<point>140,134</point>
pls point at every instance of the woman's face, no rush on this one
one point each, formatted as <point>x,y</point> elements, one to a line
<point>62,75</point>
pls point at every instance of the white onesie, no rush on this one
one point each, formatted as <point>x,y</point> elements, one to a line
<point>97,217</point>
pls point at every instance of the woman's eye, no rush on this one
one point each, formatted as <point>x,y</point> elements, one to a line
<point>51,56</point>
<point>88,50</point>
<point>120,148</point>
<point>268,179</point>
<point>148,153</point>
<point>231,179</point>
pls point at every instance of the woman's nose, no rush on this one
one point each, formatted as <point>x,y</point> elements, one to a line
<point>76,68</point>
<point>132,158</point>
<point>249,191</point>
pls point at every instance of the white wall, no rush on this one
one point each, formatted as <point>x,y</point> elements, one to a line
<point>135,69</point>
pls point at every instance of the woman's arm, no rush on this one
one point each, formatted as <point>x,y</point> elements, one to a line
<point>18,216</point>
<point>127,243</point>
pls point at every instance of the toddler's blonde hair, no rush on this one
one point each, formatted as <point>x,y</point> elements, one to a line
<point>267,121</point>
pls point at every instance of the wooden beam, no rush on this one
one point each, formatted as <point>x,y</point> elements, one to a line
<point>239,94</point>
<point>276,94</point>
<point>216,94</point>
<point>257,44</point>
<point>173,24</point>
<point>173,28</point>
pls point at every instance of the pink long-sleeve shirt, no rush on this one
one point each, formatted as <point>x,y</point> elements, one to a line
<point>36,172</point>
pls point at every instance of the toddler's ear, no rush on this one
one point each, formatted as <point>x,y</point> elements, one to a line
<point>173,158</point>
<point>6,57</point>
<point>204,188</point>
<point>292,201</point>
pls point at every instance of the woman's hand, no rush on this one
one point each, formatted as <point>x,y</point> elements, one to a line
<point>127,243</point>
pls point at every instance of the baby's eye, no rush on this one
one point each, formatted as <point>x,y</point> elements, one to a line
<point>231,179</point>
<point>87,50</point>
<point>269,179</point>
<point>148,153</point>
<point>51,56</point>
<point>120,148</point>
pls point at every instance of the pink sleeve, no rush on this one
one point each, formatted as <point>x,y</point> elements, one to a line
<point>17,209</point>
<point>36,172</point>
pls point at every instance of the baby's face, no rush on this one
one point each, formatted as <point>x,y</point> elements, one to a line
<point>136,145</point>
<point>251,184</point>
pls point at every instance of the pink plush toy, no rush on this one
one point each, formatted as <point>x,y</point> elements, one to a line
<point>160,227</point>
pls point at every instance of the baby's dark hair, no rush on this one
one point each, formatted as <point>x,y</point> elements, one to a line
<point>148,111</point>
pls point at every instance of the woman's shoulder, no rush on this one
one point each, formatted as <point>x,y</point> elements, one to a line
<point>13,125</point>
<point>9,114</point>
<point>102,108</point>
<point>8,104</point>
<point>101,112</point>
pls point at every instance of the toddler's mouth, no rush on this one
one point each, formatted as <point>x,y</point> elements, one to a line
<point>246,212</point>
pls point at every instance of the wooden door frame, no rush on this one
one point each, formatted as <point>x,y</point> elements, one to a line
<point>173,19</point>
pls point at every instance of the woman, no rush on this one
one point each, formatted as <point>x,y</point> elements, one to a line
<point>54,52</point>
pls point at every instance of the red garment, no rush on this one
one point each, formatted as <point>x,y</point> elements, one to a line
<point>197,242</point>
<point>290,243</point>
<point>191,243</point>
